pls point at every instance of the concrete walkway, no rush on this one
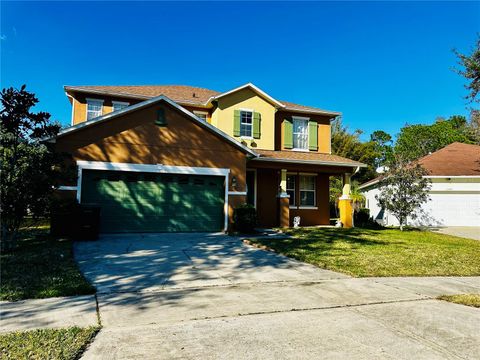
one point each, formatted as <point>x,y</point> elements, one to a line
<point>210,296</point>
<point>48,313</point>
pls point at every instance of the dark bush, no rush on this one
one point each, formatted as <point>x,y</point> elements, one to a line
<point>245,218</point>
<point>361,217</point>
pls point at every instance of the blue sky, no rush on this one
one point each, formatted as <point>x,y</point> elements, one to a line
<point>382,64</point>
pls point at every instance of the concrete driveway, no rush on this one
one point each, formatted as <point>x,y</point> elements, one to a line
<point>469,232</point>
<point>210,296</point>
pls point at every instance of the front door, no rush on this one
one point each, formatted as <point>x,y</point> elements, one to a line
<point>251,196</point>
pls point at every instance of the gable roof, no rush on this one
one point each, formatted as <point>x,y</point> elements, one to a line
<point>144,104</point>
<point>189,95</point>
<point>456,159</point>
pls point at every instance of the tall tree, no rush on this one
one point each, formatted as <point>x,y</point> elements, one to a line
<point>403,190</point>
<point>470,71</point>
<point>27,170</point>
<point>415,141</point>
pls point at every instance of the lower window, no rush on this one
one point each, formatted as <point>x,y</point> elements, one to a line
<point>291,189</point>
<point>307,190</point>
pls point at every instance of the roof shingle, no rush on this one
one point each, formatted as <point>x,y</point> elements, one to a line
<point>288,155</point>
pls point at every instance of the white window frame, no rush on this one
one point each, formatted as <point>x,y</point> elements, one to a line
<point>119,103</point>
<point>303,119</point>
<point>314,206</point>
<point>101,101</point>
<point>251,124</point>
<point>294,205</point>
<point>197,113</point>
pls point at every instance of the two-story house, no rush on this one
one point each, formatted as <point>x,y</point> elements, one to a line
<point>181,158</point>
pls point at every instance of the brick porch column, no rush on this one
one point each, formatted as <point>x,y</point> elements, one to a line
<point>345,203</point>
<point>284,200</point>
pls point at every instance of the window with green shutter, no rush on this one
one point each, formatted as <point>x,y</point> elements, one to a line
<point>312,135</point>
<point>287,134</point>
<point>256,125</point>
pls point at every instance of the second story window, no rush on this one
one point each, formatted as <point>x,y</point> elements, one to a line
<point>246,122</point>
<point>201,114</point>
<point>300,133</point>
<point>119,105</point>
<point>94,108</point>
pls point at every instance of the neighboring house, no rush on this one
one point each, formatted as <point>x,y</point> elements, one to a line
<point>181,158</point>
<point>455,189</point>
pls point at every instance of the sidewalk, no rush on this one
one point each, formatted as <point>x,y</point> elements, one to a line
<point>48,313</point>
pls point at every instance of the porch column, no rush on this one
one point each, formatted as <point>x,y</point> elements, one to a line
<point>284,200</point>
<point>345,203</point>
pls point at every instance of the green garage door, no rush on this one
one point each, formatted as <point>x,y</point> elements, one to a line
<point>148,202</point>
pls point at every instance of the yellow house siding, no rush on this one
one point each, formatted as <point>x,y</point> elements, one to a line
<point>222,116</point>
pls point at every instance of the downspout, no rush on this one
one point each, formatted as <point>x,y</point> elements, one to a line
<point>73,107</point>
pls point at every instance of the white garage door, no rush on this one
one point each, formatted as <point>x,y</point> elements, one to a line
<point>452,210</point>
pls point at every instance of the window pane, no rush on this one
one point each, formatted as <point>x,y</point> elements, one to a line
<point>307,182</point>
<point>292,197</point>
<point>291,182</point>
<point>300,134</point>
<point>246,123</point>
<point>307,198</point>
<point>117,106</point>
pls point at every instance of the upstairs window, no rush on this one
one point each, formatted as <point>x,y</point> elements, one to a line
<point>300,133</point>
<point>202,115</point>
<point>94,108</point>
<point>119,105</point>
<point>246,121</point>
<point>307,190</point>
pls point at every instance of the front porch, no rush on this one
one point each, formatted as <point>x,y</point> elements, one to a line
<point>283,188</point>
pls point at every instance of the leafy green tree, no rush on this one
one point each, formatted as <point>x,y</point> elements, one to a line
<point>383,147</point>
<point>27,166</point>
<point>415,141</point>
<point>403,190</point>
<point>471,71</point>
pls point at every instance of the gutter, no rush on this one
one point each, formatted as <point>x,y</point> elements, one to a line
<point>311,162</point>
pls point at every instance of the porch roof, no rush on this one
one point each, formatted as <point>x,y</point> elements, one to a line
<point>304,157</point>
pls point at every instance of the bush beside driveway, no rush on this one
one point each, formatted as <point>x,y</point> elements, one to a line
<point>380,252</point>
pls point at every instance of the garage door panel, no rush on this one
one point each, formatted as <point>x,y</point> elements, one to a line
<point>138,202</point>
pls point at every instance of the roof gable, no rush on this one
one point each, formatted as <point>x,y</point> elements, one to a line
<point>146,103</point>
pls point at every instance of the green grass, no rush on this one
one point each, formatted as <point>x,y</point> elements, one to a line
<point>40,267</point>
<point>381,252</point>
<point>464,299</point>
<point>43,344</point>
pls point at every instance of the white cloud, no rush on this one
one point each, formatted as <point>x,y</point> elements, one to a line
<point>3,37</point>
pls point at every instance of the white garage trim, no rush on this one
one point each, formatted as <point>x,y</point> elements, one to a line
<point>152,168</point>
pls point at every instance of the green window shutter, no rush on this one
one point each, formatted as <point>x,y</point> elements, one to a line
<point>236,123</point>
<point>256,125</point>
<point>312,136</point>
<point>287,134</point>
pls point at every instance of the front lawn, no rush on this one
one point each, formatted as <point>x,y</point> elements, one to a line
<point>41,267</point>
<point>464,299</point>
<point>64,344</point>
<point>381,252</point>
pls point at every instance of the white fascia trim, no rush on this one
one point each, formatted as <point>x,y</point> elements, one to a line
<point>311,162</point>
<point>159,168</point>
<point>237,193</point>
<point>146,103</point>
<point>67,188</point>
<point>73,107</point>
<point>254,88</point>
<point>333,114</point>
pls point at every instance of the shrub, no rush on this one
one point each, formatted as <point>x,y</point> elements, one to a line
<point>245,218</point>
<point>361,216</point>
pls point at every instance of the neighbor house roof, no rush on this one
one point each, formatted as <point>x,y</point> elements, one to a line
<point>305,157</point>
<point>189,95</point>
<point>456,159</point>
<point>144,104</point>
